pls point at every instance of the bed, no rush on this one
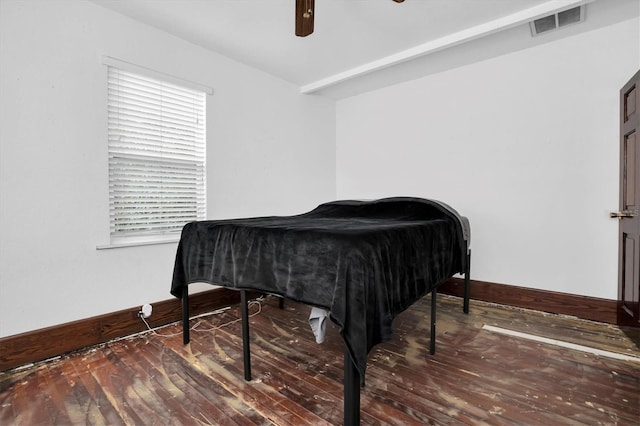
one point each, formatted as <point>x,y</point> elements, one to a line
<point>362,261</point>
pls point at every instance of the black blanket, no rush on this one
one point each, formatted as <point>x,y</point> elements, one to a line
<point>364,261</point>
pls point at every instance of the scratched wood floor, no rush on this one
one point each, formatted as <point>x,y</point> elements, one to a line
<point>475,377</point>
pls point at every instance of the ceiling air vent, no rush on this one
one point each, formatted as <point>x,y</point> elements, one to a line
<point>557,20</point>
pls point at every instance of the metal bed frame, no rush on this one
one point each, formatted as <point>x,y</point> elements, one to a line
<point>351,374</point>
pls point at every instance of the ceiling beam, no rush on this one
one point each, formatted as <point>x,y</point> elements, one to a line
<point>446,42</point>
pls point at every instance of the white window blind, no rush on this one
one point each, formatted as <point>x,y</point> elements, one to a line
<point>156,136</point>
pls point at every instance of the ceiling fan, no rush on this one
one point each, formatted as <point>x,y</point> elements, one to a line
<point>305,11</point>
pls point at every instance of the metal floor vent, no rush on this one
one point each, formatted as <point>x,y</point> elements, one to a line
<point>557,20</point>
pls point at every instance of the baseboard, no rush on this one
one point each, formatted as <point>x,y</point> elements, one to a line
<point>53,341</point>
<point>590,308</point>
<point>45,343</point>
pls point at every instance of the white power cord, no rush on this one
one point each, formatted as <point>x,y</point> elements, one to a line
<point>257,302</point>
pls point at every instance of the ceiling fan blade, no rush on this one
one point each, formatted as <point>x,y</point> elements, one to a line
<point>305,12</point>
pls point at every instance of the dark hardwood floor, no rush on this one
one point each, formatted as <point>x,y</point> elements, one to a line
<point>477,376</point>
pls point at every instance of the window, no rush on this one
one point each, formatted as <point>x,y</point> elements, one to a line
<point>156,133</point>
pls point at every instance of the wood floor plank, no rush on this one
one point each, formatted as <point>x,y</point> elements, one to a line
<point>116,381</point>
<point>476,377</point>
<point>528,370</point>
<point>183,401</point>
<point>31,403</point>
<point>70,396</point>
<point>275,358</point>
<point>227,373</point>
<point>95,391</point>
<point>232,374</point>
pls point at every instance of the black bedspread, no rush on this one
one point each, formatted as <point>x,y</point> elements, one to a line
<point>363,261</point>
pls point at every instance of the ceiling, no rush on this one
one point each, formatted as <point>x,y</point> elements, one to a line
<point>351,38</point>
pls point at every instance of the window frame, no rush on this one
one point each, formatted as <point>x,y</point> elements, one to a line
<point>195,164</point>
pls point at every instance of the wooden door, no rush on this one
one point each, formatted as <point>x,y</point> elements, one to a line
<point>629,230</point>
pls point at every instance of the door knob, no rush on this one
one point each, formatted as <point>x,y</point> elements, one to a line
<point>623,214</point>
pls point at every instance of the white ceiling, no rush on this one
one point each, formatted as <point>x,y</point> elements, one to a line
<point>351,38</point>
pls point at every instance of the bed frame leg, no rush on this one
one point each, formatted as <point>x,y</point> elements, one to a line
<point>467,273</point>
<point>245,335</point>
<point>185,314</point>
<point>351,390</point>
<point>432,341</point>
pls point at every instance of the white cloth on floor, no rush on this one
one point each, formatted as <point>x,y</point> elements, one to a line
<point>318,323</point>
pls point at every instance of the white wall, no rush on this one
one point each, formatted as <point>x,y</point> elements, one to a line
<point>524,144</point>
<point>270,151</point>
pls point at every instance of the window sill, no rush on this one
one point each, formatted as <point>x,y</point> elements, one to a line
<point>137,244</point>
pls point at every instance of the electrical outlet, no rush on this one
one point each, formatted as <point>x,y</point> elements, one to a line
<point>145,311</point>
